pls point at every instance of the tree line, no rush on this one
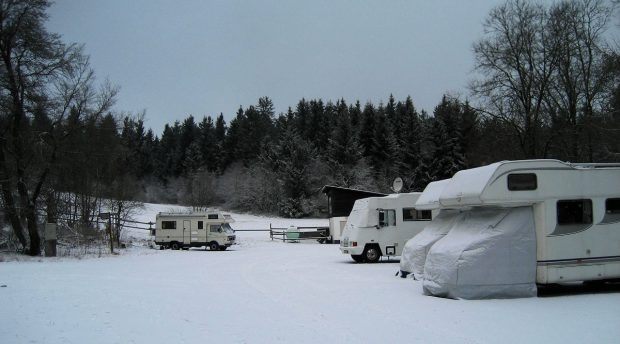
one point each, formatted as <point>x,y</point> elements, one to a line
<point>546,85</point>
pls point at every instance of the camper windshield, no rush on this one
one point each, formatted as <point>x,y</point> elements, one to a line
<point>226,227</point>
<point>360,218</point>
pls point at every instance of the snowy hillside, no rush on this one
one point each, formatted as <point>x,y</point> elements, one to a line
<point>263,291</point>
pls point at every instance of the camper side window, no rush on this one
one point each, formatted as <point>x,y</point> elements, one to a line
<point>387,217</point>
<point>612,206</point>
<point>522,181</point>
<point>411,214</point>
<point>200,226</point>
<point>575,211</point>
<point>612,210</point>
<point>215,228</point>
<point>168,225</point>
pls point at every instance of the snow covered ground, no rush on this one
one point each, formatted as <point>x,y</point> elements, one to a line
<point>263,291</point>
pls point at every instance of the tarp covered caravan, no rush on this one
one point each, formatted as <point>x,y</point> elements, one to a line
<point>487,253</point>
<point>416,249</point>
<point>519,224</point>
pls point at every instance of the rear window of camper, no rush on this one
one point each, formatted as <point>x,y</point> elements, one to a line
<point>575,211</point>
<point>612,206</point>
<point>411,214</point>
<point>522,181</point>
<point>168,225</point>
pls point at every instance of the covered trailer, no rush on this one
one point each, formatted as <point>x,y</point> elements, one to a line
<point>525,223</point>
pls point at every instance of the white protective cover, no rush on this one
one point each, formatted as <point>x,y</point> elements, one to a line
<point>429,200</point>
<point>414,253</point>
<point>466,186</point>
<point>488,253</point>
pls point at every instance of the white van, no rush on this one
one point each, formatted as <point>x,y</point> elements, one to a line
<point>178,230</point>
<point>380,226</point>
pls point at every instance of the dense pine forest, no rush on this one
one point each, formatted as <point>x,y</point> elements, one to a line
<point>546,84</point>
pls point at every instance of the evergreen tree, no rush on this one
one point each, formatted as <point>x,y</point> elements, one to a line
<point>411,142</point>
<point>208,145</point>
<point>303,115</point>
<point>367,129</point>
<point>291,158</point>
<point>448,154</point>
<point>343,152</point>
<point>220,129</point>
<point>233,139</point>
<point>355,113</point>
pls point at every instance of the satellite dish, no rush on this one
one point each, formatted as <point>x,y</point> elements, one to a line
<point>397,184</point>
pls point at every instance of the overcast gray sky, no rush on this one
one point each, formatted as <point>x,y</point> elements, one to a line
<point>175,58</point>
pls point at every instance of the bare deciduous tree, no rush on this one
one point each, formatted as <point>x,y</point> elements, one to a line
<point>582,82</point>
<point>515,63</point>
<point>42,80</point>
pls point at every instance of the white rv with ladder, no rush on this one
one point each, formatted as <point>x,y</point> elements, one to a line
<point>522,223</point>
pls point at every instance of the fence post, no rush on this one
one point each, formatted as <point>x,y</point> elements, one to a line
<point>50,239</point>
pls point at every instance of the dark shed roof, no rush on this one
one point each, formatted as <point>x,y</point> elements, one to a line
<point>340,200</point>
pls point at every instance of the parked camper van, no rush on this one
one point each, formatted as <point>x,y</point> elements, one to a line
<point>177,230</point>
<point>340,202</point>
<point>380,226</point>
<point>529,222</point>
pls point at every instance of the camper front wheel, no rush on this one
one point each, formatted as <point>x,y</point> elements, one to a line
<point>372,254</point>
<point>213,246</point>
<point>174,245</point>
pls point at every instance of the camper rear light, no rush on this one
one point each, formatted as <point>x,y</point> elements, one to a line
<point>353,243</point>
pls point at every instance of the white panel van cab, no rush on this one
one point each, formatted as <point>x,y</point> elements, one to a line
<point>380,226</point>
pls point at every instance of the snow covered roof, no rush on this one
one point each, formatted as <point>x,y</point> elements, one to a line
<point>553,178</point>
<point>466,186</point>
<point>430,197</point>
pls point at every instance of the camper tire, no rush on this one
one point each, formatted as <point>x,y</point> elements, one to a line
<point>174,245</point>
<point>213,246</point>
<point>371,254</point>
<point>358,258</point>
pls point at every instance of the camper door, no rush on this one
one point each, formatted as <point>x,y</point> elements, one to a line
<point>187,232</point>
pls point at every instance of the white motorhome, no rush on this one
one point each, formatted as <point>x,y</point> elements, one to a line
<point>185,230</point>
<point>340,202</point>
<point>380,226</point>
<point>543,221</point>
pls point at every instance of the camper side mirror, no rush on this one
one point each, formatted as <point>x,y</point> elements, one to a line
<point>219,230</point>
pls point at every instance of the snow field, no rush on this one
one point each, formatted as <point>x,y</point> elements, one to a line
<point>263,291</point>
